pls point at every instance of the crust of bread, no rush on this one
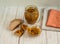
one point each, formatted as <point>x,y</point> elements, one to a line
<point>15,23</point>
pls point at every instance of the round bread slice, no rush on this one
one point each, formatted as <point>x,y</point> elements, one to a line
<point>15,23</point>
<point>19,32</point>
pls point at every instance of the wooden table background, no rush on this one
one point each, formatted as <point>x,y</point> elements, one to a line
<point>6,36</point>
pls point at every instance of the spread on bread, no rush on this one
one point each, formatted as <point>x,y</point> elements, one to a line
<point>34,30</point>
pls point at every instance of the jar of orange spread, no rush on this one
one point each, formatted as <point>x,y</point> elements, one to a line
<point>31,14</point>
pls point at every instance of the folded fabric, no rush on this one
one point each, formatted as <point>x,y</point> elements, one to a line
<point>53,18</point>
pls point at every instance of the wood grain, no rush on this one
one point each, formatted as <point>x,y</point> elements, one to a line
<point>7,37</point>
<point>51,37</point>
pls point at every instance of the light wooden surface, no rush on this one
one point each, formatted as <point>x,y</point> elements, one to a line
<point>6,36</point>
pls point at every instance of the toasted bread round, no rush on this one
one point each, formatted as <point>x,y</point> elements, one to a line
<point>14,23</point>
<point>23,26</point>
<point>19,32</point>
<point>34,31</point>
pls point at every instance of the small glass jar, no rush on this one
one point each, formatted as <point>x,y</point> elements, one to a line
<point>31,14</point>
